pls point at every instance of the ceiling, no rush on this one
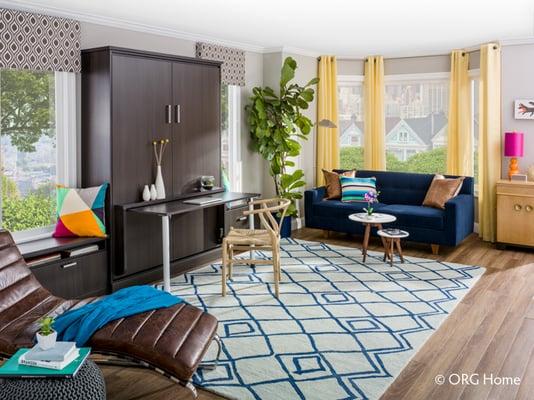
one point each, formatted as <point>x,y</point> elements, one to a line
<point>342,27</point>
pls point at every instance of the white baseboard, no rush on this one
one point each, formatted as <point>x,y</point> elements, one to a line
<point>297,223</point>
<point>475,228</point>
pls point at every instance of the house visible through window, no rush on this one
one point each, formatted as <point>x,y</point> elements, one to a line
<point>350,118</point>
<point>28,149</point>
<point>416,111</point>
<point>230,137</point>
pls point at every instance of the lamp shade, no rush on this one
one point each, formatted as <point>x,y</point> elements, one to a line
<point>326,123</point>
<point>513,144</point>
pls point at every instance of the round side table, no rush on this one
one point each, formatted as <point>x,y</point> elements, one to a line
<point>88,384</point>
<point>392,240</point>
<point>374,221</point>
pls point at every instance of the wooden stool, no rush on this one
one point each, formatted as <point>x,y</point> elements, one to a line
<point>392,238</point>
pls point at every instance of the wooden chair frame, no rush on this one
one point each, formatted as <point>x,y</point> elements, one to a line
<point>243,240</point>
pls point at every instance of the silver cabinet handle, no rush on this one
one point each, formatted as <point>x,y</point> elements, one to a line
<point>241,219</point>
<point>168,114</point>
<point>177,113</point>
<point>69,265</point>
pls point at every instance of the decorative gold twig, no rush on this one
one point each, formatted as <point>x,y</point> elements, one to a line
<point>162,145</point>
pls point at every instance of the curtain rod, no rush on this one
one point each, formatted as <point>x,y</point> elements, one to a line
<point>404,57</point>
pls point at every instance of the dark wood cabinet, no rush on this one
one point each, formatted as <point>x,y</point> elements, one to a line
<point>141,108</point>
<point>75,277</point>
<point>129,99</point>
<point>197,92</point>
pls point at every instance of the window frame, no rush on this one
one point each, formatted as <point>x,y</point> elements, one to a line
<point>235,164</point>
<point>67,150</point>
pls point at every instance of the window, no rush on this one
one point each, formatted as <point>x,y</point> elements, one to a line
<point>37,146</point>
<point>350,116</point>
<point>230,137</point>
<point>416,111</point>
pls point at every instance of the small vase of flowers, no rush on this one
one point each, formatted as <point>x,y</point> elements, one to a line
<point>370,197</point>
<point>46,336</point>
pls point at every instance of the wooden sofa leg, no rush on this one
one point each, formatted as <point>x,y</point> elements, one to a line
<point>435,249</point>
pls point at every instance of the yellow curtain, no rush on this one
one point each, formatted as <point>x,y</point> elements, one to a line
<point>489,138</point>
<point>459,140</point>
<point>327,138</point>
<point>374,141</point>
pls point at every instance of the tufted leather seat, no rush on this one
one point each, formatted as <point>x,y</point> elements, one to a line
<point>173,339</point>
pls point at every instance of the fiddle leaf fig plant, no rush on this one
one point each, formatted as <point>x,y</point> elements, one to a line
<point>276,125</point>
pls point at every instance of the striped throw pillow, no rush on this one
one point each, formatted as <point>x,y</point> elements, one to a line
<point>353,189</point>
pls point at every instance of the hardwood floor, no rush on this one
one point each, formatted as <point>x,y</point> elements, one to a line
<point>490,332</point>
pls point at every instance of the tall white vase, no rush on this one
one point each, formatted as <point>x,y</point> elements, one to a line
<point>160,185</point>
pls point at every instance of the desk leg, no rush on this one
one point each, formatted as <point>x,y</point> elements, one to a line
<point>166,247</point>
<point>251,226</point>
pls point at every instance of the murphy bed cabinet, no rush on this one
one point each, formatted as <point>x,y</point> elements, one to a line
<point>129,99</point>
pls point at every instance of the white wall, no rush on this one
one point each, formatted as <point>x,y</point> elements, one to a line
<point>93,35</point>
<point>517,83</point>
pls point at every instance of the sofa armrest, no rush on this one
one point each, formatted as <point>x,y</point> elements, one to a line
<point>460,216</point>
<point>312,196</point>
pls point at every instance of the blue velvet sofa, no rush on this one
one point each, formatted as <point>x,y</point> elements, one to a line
<point>401,195</point>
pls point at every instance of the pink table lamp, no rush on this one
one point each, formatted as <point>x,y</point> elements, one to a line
<point>513,147</point>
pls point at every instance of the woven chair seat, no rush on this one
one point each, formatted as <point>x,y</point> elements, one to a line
<point>258,237</point>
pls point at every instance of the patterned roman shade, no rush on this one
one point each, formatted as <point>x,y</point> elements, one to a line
<point>38,42</point>
<point>233,62</point>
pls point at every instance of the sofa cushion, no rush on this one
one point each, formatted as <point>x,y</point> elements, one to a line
<point>339,209</point>
<point>333,183</point>
<point>416,216</point>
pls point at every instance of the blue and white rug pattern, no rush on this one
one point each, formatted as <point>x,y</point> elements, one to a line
<point>341,329</point>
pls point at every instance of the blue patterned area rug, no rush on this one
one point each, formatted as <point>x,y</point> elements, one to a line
<point>341,329</point>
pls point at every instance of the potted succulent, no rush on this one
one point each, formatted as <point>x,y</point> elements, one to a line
<point>46,335</point>
<point>276,125</point>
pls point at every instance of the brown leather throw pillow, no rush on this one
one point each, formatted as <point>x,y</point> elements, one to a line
<point>441,190</point>
<point>332,183</point>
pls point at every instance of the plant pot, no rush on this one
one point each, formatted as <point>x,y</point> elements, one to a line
<point>46,342</point>
<point>285,230</point>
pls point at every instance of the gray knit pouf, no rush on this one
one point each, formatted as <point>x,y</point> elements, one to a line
<point>88,384</point>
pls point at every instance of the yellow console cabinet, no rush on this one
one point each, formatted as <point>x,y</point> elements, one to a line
<point>515,212</point>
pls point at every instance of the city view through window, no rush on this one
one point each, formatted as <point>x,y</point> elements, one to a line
<point>27,149</point>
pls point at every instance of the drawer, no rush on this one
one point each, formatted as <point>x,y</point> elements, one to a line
<point>515,219</point>
<point>234,218</point>
<point>75,277</point>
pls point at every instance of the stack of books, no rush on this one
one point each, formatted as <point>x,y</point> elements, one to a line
<point>58,357</point>
<point>63,360</point>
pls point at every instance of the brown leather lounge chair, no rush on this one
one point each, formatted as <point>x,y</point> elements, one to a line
<point>171,341</point>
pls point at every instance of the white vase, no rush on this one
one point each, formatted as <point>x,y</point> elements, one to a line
<point>153,192</point>
<point>46,342</point>
<point>160,186</point>
<point>146,193</point>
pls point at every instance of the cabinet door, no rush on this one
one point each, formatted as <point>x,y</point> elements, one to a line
<point>515,219</point>
<point>142,107</point>
<point>196,140</point>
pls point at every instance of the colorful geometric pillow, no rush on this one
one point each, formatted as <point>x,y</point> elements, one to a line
<point>354,189</point>
<point>80,212</point>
